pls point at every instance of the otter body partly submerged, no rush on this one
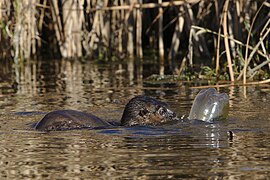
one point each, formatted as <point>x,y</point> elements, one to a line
<point>69,119</point>
<point>140,110</point>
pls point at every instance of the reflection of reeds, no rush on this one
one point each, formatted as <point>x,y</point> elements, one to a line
<point>107,29</point>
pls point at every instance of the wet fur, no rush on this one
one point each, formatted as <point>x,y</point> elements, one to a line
<point>140,110</point>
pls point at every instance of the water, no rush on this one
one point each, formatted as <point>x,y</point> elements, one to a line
<point>192,150</point>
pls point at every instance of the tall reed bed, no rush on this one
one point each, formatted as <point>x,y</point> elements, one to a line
<point>231,37</point>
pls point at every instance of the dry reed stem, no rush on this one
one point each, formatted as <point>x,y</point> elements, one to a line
<point>24,40</point>
<point>5,33</point>
<point>236,41</point>
<point>1,13</point>
<point>127,7</point>
<point>67,26</point>
<point>255,49</point>
<point>226,41</point>
<point>182,66</point>
<point>68,32</point>
<point>121,29</point>
<point>139,51</point>
<point>218,39</point>
<point>40,23</point>
<point>232,84</point>
<point>176,37</point>
<point>94,33</point>
<point>218,50</point>
<point>264,50</point>
<point>200,42</point>
<point>190,46</point>
<point>152,23</point>
<point>74,26</point>
<point>264,54</point>
<point>231,34</point>
<point>57,26</point>
<point>247,43</point>
<point>99,33</point>
<point>104,26</point>
<point>160,41</point>
<point>262,45</point>
<point>129,22</point>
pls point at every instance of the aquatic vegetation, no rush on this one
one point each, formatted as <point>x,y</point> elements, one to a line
<point>229,37</point>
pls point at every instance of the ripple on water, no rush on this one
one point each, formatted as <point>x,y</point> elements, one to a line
<point>194,150</point>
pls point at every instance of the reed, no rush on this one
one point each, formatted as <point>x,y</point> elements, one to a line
<point>160,39</point>
<point>226,41</point>
<point>23,38</point>
<point>231,37</point>
<point>139,51</point>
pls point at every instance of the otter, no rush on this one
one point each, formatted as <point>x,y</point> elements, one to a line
<point>140,110</point>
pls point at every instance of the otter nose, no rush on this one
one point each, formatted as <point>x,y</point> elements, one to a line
<point>172,115</point>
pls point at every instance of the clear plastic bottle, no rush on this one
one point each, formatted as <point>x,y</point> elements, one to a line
<point>209,105</point>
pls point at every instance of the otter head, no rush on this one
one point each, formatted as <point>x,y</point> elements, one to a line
<point>143,110</point>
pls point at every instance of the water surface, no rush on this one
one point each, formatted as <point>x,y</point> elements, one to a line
<point>192,150</point>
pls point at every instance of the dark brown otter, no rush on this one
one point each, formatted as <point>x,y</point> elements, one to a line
<point>143,110</point>
<point>69,119</point>
<point>140,110</point>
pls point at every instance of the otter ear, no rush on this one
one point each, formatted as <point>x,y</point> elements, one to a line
<point>143,112</point>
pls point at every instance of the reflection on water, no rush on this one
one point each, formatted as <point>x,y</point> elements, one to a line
<point>184,150</point>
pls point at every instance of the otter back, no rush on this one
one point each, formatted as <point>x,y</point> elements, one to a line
<point>69,119</point>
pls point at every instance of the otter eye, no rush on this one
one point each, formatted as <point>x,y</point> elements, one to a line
<point>162,111</point>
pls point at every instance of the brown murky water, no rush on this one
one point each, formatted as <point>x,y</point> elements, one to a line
<point>194,150</point>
